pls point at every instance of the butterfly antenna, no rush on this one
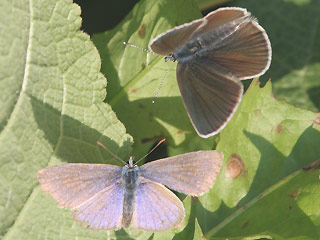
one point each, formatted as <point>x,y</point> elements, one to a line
<point>162,80</point>
<point>99,143</point>
<point>135,46</point>
<point>161,141</point>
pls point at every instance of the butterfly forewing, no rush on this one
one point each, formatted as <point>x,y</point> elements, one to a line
<point>191,173</point>
<point>220,17</point>
<point>169,41</point>
<point>156,209</point>
<point>103,210</point>
<point>209,94</point>
<point>72,184</point>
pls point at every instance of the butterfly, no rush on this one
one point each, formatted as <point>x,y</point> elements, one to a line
<point>214,53</point>
<point>104,196</point>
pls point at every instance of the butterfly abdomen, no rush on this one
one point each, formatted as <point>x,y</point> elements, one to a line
<point>129,178</point>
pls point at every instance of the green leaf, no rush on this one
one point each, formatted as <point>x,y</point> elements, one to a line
<point>135,77</point>
<point>265,147</point>
<point>284,127</point>
<point>198,235</point>
<point>52,112</point>
<point>283,131</point>
<point>204,5</point>
<point>286,210</point>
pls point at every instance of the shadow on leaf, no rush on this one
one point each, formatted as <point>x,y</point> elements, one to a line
<point>271,195</point>
<point>73,141</point>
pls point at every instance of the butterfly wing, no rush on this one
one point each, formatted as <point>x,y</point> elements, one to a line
<point>220,17</point>
<point>235,42</point>
<point>156,208</point>
<point>246,53</point>
<point>167,42</point>
<point>72,184</point>
<point>103,210</point>
<point>191,173</point>
<point>210,95</point>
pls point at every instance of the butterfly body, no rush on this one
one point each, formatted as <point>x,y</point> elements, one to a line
<point>130,175</point>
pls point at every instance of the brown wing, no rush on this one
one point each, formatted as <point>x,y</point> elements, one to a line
<point>210,95</point>
<point>246,53</point>
<point>167,42</point>
<point>220,17</point>
<point>72,184</point>
<point>191,173</point>
<point>235,42</point>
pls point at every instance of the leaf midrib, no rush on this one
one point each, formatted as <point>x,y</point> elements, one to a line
<point>19,102</point>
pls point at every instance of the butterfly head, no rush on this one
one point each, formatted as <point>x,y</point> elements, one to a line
<point>170,57</point>
<point>131,164</point>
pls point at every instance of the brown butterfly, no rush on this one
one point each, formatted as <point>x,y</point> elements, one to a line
<point>214,53</point>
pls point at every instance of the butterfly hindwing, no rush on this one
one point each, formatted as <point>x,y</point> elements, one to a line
<point>156,207</point>
<point>210,95</point>
<point>103,210</point>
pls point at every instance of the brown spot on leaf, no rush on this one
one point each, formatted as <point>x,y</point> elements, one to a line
<point>294,194</point>
<point>150,115</point>
<point>133,90</point>
<point>245,225</point>
<point>145,140</point>
<point>244,207</point>
<point>317,121</point>
<point>260,196</point>
<point>312,166</point>
<point>235,166</point>
<point>257,112</point>
<point>140,105</point>
<point>279,128</point>
<point>130,16</point>
<point>142,30</point>
<point>180,131</point>
<point>272,95</point>
<point>290,207</point>
<point>143,66</point>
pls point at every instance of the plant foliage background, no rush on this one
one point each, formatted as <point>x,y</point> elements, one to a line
<point>61,91</point>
